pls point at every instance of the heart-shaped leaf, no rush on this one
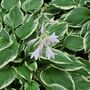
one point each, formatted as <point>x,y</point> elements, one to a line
<point>86,41</point>
<point>27,29</point>
<point>63,4</point>
<point>24,72</point>
<point>52,75</point>
<point>5,40</point>
<point>8,75</point>
<point>8,4</point>
<point>82,13</point>
<point>32,86</point>
<point>60,58</point>
<point>14,18</point>
<point>74,42</point>
<point>9,54</point>
<point>30,5</point>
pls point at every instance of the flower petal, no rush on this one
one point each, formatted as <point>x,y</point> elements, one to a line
<point>36,53</point>
<point>42,30</point>
<point>53,38</point>
<point>49,53</point>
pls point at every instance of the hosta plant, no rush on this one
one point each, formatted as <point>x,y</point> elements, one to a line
<point>44,44</point>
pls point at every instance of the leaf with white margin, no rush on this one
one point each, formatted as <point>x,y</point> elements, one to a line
<point>30,5</point>
<point>8,4</point>
<point>83,14</point>
<point>55,87</point>
<point>86,42</point>
<point>59,28</point>
<point>1,27</point>
<point>32,66</point>
<point>24,72</point>
<point>52,75</point>
<point>60,58</point>
<point>8,75</point>
<point>9,54</point>
<point>27,28</point>
<point>63,4</point>
<point>14,18</point>
<point>5,40</point>
<point>81,82</point>
<point>75,65</point>
<point>32,86</point>
<point>74,42</point>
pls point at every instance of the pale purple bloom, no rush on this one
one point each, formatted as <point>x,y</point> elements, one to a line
<point>49,53</point>
<point>42,30</point>
<point>36,53</point>
<point>44,43</point>
<point>53,38</point>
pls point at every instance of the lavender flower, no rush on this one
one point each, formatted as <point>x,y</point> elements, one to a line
<point>49,53</point>
<point>42,30</point>
<point>53,38</point>
<point>36,53</point>
<point>44,43</point>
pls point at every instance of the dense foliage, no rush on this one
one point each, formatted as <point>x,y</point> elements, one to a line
<point>45,45</point>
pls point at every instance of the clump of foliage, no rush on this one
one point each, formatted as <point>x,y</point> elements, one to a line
<point>45,45</point>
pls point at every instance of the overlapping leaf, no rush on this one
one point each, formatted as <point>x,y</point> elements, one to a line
<point>24,72</point>
<point>52,75</point>
<point>60,58</point>
<point>30,5</point>
<point>74,42</point>
<point>87,42</point>
<point>27,29</point>
<point>32,86</point>
<point>8,4</point>
<point>9,54</point>
<point>5,40</point>
<point>14,18</point>
<point>59,28</point>
<point>78,16</point>
<point>8,75</point>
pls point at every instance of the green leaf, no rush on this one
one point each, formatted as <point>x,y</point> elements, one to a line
<point>30,5</point>
<point>85,28</point>
<point>81,83</point>
<point>86,64</point>
<point>74,42</point>
<point>59,28</point>
<point>5,40</point>
<point>1,27</point>
<point>52,75</point>
<point>52,10</point>
<point>9,54</point>
<point>86,41</point>
<point>24,72</point>
<point>31,46</point>
<point>1,20</point>
<point>78,16</point>
<point>7,75</point>
<point>27,29</point>
<point>33,66</point>
<point>14,18</point>
<point>60,58</point>
<point>32,86</point>
<point>63,4</point>
<point>75,65</point>
<point>82,72</point>
<point>8,4</point>
<point>80,2</point>
<point>55,87</point>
